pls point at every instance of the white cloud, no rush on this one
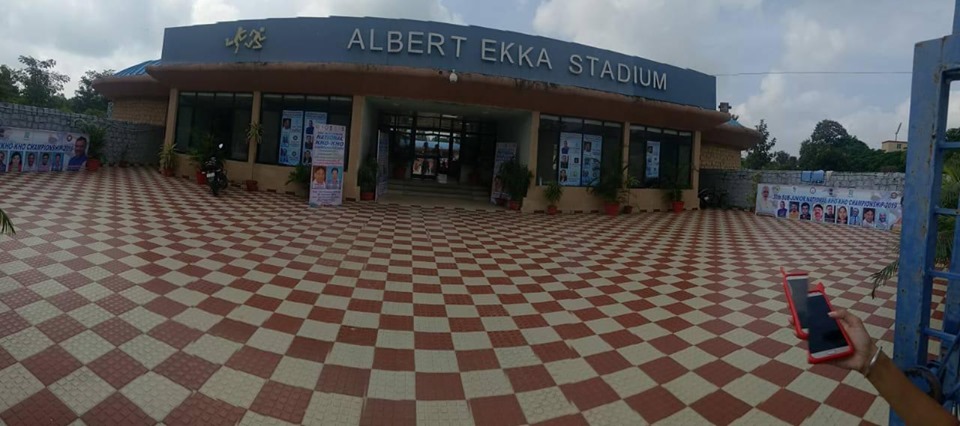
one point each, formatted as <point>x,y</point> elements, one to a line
<point>99,34</point>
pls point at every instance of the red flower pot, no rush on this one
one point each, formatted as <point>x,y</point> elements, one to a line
<point>611,209</point>
<point>551,210</point>
<point>514,205</point>
<point>201,178</point>
<point>93,164</point>
<point>251,185</point>
<point>367,196</point>
<point>677,206</point>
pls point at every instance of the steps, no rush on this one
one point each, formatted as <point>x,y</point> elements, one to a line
<point>432,189</point>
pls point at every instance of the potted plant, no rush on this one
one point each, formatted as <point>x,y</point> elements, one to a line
<point>300,175</point>
<point>168,160</point>
<point>367,178</point>
<point>201,153</point>
<point>611,188</point>
<point>632,182</point>
<point>553,193</point>
<point>673,191</point>
<point>254,136</point>
<point>516,179</point>
<point>98,136</point>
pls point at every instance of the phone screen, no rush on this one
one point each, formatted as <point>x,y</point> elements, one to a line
<point>825,333</point>
<point>798,292</point>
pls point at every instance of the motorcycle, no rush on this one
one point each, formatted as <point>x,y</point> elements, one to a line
<point>711,198</point>
<point>216,176</point>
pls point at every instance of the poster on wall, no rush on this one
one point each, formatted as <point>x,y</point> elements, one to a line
<point>28,150</point>
<point>863,208</point>
<point>326,175</point>
<point>569,159</point>
<point>505,152</point>
<point>311,120</point>
<point>653,160</point>
<point>590,172</point>
<point>291,135</point>
<point>383,163</point>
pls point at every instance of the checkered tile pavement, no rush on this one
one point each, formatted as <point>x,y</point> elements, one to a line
<point>129,298</point>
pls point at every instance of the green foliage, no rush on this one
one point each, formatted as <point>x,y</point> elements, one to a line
<point>255,133</point>
<point>783,161</point>
<point>9,92</point>
<point>207,147</point>
<point>367,175</point>
<point>85,99</point>
<point>39,84</point>
<point>167,157</point>
<point>300,175</point>
<point>611,187</point>
<point>760,156</point>
<point>516,179</point>
<point>553,193</point>
<point>98,138</point>
<point>830,147</point>
<point>6,225</point>
<point>752,196</point>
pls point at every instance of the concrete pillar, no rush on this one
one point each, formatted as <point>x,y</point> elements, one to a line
<point>254,120</point>
<point>170,134</point>
<point>350,189</point>
<point>625,146</point>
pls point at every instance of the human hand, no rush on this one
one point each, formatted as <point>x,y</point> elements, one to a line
<point>864,346</point>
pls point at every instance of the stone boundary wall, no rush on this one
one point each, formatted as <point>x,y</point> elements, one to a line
<point>141,142</point>
<point>739,188</point>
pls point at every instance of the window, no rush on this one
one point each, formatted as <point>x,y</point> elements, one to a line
<point>574,151</point>
<point>657,155</point>
<point>223,116</point>
<point>338,110</point>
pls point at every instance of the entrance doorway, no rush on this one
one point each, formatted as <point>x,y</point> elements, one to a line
<point>441,147</point>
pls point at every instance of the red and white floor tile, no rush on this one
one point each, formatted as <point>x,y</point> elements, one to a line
<point>129,298</point>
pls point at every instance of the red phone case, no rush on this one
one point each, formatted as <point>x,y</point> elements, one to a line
<point>793,310</point>
<point>849,351</point>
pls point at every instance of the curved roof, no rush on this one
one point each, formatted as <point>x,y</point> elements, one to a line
<point>138,69</point>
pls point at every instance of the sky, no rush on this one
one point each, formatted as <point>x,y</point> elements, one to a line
<point>718,37</point>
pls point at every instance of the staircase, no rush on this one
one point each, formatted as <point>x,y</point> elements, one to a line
<point>432,189</point>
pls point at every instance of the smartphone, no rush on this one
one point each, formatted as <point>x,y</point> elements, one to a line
<point>796,286</point>
<point>826,338</point>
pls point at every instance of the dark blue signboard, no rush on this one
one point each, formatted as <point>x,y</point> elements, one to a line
<point>432,45</point>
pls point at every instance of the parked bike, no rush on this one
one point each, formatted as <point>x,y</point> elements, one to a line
<point>216,175</point>
<point>711,198</point>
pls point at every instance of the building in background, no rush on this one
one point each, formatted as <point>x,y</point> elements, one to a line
<point>893,146</point>
<point>443,96</point>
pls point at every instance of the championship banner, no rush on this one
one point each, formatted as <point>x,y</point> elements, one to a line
<point>841,206</point>
<point>505,152</point>
<point>590,172</point>
<point>310,122</point>
<point>570,151</point>
<point>291,137</point>
<point>326,177</point>
<point>383,163</point>
<point>28,150</point>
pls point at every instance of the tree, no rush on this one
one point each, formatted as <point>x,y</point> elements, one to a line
<point>830,147</point>
<point>9,92</point>
<point>40,84</point>
<point>760,156</point>
<point>781,160</point>
<point>85,99</point>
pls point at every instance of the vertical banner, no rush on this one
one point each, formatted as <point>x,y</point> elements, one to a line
<point>505,152</point>
<point>291,137</point>
<point>590,172</point>
<point>653,160</point>
<point>383,163</point>
<point>326,177</point>
<point>311,120</point>
<point>841,206</point>
<point>28,150</point>
<point>569,160</point>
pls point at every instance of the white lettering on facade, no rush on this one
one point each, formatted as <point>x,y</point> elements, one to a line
<point>607,69</point>
<point>576,64</point>
<point>544,58</point>
<point>488,46</point>
<point>525,56</point>
<point>593,65</point>
<point>623,73</point>
<point>373,47</point>
<point>435,40</point>
<point>659,81</point>
<point>505,52</point>
<point>459,41</point>
<point>644,83</point>
<point>394,42</point>
<point>415,38</point>
<point>356,38</point>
